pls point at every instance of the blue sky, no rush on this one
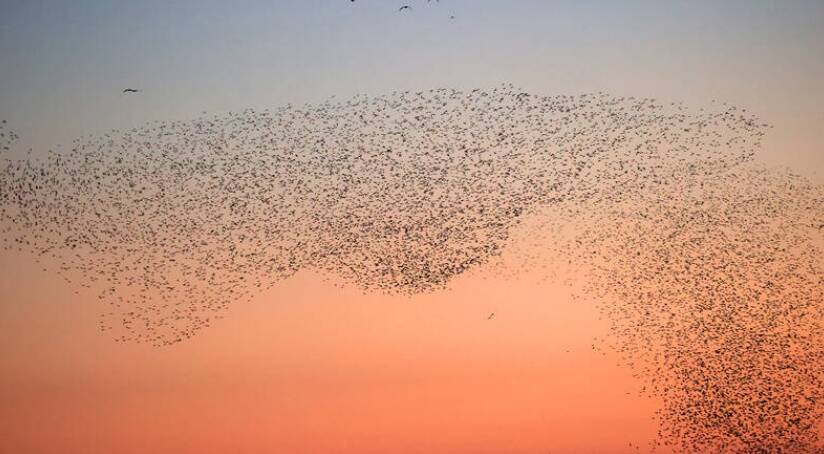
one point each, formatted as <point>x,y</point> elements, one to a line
<point>64,64</point>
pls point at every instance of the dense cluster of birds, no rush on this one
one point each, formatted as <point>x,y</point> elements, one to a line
<point>708,267</point>
<point>714,292</point>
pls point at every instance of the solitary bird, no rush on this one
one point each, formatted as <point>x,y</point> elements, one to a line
<point>491,316</point>
<point>131,90</point>
<point>405,7</point>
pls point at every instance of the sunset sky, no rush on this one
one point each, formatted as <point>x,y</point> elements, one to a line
<point>309,367</point>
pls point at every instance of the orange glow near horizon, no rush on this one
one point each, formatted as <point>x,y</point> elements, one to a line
<point>639,102</point>
<point>327,370</point>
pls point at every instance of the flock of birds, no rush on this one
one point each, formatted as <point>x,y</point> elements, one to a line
<point>707,266</point>
<point>712,282</point>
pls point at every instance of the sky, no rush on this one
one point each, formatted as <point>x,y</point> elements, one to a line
<point>64,64</point>
<point>307,366</point>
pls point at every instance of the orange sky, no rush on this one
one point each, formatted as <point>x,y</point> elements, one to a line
<point>310,367</point>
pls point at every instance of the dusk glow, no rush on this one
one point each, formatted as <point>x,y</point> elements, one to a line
<point>443,226</point>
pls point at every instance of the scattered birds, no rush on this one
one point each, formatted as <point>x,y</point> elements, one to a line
<point>706,265</point>
<point>410,8</point>
<point>7,138</point>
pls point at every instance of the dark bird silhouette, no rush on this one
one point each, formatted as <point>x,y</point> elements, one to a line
<point>131,90</point>
<point>491,316</point>
<point>405,7</point>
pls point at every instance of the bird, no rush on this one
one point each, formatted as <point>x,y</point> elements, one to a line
<point>131,90</point>
<point>405,7</point>
<point>491,316</point>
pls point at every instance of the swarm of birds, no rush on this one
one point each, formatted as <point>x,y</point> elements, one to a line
<point>708,266</point>
<point>714,292</point>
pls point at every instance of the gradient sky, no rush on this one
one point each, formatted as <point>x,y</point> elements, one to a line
<point>308,367</point>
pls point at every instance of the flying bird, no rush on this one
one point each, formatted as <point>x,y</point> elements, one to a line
<point>405,7</point>
<point>491,316</point>
<point>131,90</point>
